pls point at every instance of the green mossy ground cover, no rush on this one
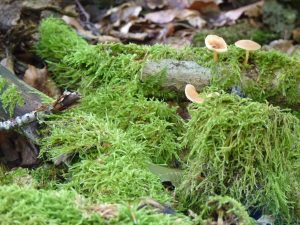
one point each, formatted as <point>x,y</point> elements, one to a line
<point>270,75</point>
<point>247,150</point>
<point>117,129</point>
<point>10,96</point>
<point>27,205</point>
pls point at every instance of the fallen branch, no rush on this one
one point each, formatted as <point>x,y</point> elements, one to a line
<point>63,102</point>
<point>18,131</point>
<point>180,73</point>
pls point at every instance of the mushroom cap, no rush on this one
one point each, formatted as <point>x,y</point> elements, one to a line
<point>192,94</point>
<point>215,43</point>
<point>247,45</point>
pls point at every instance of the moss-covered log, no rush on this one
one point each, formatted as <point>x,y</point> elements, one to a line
<point>270,75</point>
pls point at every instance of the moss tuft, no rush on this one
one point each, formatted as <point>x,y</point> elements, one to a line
<point>10,97</point>
<point>245,150</point>
<point>115,179</point>
<point>30,206</point>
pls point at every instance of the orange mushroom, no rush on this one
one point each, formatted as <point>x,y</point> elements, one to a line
<point>247,45</point>
<point>192,94</point>
<point>216,44</point>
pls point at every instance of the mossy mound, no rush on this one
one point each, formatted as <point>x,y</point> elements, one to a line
<point>233,33</point>
<point>30,206</point>
<point>243,149</point>
<point>35,207</point>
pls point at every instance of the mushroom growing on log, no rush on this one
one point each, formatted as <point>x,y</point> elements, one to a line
<point>181,73</point>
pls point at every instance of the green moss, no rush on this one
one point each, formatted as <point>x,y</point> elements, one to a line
<point>46,177</point>
<point>115,179</point>
<point>245,150</point>
<point>3,83</point>
<point>89,134</point>
<point>17,176</point>
<point>150,122</point>
<point>227,209</point>
<point>63,40</point>
<point>130,215</point>
<point>118,128</point>
<point>89,67</point>
<point>112,166</point>
<point>30,206</point>
<point>236,32</point>
<point>10,97</point>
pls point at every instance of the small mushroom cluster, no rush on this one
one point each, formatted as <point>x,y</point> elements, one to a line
<point>218,45</point>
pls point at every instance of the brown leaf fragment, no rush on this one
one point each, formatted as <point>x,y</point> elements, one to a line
<point>80,30</point>
<point>107,38</point>
<point>130,36</point>
<point>162,16</point>
<point>252,9</point>
<point>123,13</point>
<point>204,5</point>
<point>192,16</point>
<point>38,78</point>
<point>106,211</point>
<point>169,15</point>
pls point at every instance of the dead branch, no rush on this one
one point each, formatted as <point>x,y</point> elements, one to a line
<point>180,73</point>
<point>18,133</point>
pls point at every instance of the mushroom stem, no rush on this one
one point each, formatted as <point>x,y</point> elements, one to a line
<point>247,57</point>
<point>215,56</point>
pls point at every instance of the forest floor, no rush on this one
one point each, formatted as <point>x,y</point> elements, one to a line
<point>134,112</point>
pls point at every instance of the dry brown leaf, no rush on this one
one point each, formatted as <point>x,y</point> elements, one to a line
<point>125,29</point>
<point>130,36</point>
<point>163,16</point>
<point>107,38</point>
<point>192,16</point>
<point>123,13</point>
<point>204,6</point>
<point>88,34</point>
<point>252,9</point>
<point>296,33</point>
<point>38,78</point>
<point>80,30</point>
<point>169,15</point>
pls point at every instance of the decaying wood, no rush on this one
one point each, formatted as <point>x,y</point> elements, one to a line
<point>31,96</point>
<point>18,133</point>
<point>180,73</point>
